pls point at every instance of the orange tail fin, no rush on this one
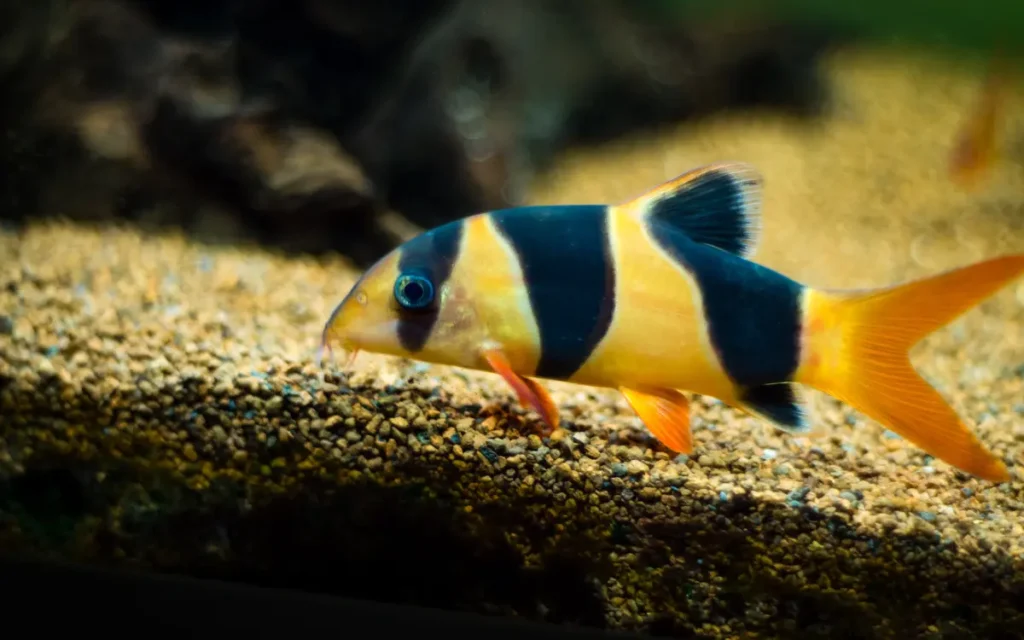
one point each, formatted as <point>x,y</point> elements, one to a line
<point>856,346</point>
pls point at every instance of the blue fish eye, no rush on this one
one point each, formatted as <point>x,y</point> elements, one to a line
<point>414,291</point>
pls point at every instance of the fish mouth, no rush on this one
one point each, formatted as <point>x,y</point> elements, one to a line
<point>325,348</point>
<point>328,334</point>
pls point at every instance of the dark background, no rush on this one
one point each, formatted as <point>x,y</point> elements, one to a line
<point>331,124</point>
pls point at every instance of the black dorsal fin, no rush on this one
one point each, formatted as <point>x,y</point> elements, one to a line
<point>718,205</point>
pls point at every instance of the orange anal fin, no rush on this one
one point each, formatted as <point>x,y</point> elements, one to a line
<point>530,392</point>
<point>666,413</point>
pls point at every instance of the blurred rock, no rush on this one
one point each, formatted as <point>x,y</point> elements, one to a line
<point>308,123</point>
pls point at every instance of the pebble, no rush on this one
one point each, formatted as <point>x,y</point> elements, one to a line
<point>635,467</point>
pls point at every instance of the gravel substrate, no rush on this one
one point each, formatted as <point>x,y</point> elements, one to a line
<point>160,408</point>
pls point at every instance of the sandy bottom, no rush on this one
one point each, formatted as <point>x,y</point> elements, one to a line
<point>160,407</point>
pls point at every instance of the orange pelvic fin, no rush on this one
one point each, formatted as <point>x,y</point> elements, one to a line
<point>856,347</point>
<point>666,413</point>
<point>530,392</point>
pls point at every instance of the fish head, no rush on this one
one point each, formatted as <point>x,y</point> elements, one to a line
<point>408,305</point>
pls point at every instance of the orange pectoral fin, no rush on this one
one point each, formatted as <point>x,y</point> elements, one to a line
<point>666,413</point>
<point>529,392</point>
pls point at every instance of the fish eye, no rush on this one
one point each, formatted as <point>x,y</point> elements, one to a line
<point>413,291</point>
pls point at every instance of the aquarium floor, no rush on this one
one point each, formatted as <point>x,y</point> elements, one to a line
<point>161,408</point>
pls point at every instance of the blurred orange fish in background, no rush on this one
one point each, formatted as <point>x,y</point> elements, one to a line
<point>975,151</point>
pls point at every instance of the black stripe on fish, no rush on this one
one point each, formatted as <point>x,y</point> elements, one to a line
<point>432,254</point>
<point>569,274</point>
<point>753,313</point>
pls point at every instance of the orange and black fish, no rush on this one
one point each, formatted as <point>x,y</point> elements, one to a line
<point>975,150</point>
<point>657,296</point>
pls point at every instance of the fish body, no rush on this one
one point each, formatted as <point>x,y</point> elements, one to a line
<point>656,297</point>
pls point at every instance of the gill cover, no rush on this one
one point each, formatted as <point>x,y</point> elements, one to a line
<point>409,305</point>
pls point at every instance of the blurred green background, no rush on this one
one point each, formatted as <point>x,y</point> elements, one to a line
<point>975,29</point>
